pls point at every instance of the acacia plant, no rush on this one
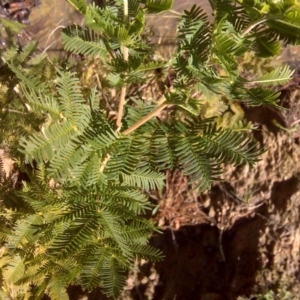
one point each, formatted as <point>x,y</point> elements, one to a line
<point>80,219</point>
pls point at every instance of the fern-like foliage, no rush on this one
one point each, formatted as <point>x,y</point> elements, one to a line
<point>80,220</point>
<point>86,237</point>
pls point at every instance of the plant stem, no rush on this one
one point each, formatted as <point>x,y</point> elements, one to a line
<point>145,119</point>
<point>103,165</point>
<point>161,102</point>
<point>121,108</point>
<point>249,28</point>
<point>253,25</point>
<point>14,111</point>
<point>123,90</point>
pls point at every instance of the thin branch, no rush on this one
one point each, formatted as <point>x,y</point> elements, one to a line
<point>220,244</point>
<point>14,111</point>
<point>161,102</point>
<point>17,91</point>
<point>121,108</point>
<point>123,90</point>
<point>253,25</point>
<point>51,33</point>
<point>249,28</point>
<point>146,118</point>
<point>103,165</point>
<point>139,123</point>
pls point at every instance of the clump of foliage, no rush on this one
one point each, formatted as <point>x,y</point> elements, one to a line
<point>80,220</point>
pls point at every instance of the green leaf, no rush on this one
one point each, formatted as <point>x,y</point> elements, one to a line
<point>83,41</point>
<point>14,270</point>
<point>42,146</point>
<point>15,26</point>
<point>266,43</point>
<point>91,273</point>
<point>113,276</point>
<point>56,288</point>
<point>260,96</point>
<point>80,5</point>
<point>76,236</point>
<point>145,179</point>
<point>279,76</point>
<point>157,6</point>
<point>194,32</point>
<point>138,24</point>
<point>42,104</point>
<point>154,65</point>
<point>198,166</point>
<point>23,233</point>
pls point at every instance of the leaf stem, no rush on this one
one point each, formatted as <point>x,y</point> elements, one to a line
<point>104,163</point>
<point>249,28</point>
<point>262,20</point>
<point>124,50</point>
<point>123,90</point>
<point>146,118</point>
<point>14,111</point>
